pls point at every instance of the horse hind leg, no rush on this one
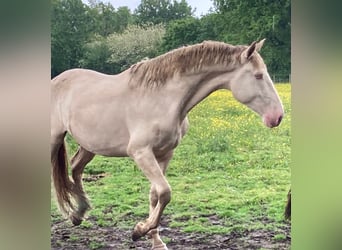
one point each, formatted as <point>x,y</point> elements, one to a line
<point>78,163</point>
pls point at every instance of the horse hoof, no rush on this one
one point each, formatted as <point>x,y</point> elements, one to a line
<point>75,220</point>
<point>136,235</point>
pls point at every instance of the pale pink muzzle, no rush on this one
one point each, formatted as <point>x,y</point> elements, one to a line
<point>273,119</point>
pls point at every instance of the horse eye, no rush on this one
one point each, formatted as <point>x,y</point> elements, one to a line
<point>258,76</point>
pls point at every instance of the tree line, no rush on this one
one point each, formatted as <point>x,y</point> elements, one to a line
<point>99,37</point>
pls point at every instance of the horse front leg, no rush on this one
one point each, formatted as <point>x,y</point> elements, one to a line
<point>157,243</point>
<point>153,234</point>
<point>161,192</point>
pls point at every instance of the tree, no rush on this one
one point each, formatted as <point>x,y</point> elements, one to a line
<point>70,28</point>
<point>191,30</point>
<point>179,10</point>
<point>181,32</point>
<point>133,45</point>
<point>124,18</point>
<point>78,33</point>
<point>247,21</point>
<point>108,20</point>
<point>119,51</point>
<point>161,11</point>
<point>96,55</point>
<point>211,27</point>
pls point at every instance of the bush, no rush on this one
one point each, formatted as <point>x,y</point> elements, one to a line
<point>134,44</point>
<point>96,55</point>
<point>119,51</point>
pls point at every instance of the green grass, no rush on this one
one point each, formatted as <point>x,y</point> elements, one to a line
<point>228,165</point>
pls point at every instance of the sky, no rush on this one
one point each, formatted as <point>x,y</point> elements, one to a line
<point>202,6</point>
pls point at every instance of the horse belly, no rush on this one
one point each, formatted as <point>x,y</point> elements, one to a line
<point>106,134</point>
<point>106,144</point>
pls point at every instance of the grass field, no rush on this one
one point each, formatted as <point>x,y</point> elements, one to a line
<point>229,174</point>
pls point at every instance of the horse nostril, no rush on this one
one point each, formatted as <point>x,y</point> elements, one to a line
<point>280,118</point>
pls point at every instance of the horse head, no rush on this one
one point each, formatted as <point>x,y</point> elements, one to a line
<point>253,86</point>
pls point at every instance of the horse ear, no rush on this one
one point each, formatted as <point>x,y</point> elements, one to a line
<point>247,53</point>
<point>259,45</point>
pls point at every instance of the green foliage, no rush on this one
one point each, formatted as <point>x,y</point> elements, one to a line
<point>211,28</point>
<point>98,37</point>
<point>70,28</point>
<point>96,55</point>
<point>162,11</point>
<point>190,31</point>
<point>247,21</point>
<point>118,51</point>
<point>181,32</point>
<point>77,32</point>
<point>134,44</point>
<point>108,20</point>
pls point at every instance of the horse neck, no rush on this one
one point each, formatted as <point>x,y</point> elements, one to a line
<point>201,86</point>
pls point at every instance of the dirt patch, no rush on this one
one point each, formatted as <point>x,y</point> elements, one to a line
<point>65,236</point>
<point>93,177</point>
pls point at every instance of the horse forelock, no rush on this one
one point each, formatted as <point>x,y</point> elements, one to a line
<point>155,72</point>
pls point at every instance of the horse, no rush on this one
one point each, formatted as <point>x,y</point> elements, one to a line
<point>141,113</point>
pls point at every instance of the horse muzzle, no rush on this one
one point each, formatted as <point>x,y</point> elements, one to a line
<point>273,120</point>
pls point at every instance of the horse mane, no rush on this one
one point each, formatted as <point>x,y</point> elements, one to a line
<point>154,72</point>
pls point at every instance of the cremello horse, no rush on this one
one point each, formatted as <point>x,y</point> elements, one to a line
<point>142,113</point>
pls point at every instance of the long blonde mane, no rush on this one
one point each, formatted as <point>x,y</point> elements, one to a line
<point>155,72</point>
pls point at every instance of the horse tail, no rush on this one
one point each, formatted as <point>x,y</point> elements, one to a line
<point>62,183</point>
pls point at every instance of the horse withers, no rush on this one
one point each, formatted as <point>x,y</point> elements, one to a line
<point>142,113</point>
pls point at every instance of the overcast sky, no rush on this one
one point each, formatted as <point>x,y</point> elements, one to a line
<point>202,6</point>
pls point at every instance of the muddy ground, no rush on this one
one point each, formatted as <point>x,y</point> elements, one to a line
<point>65,236</point>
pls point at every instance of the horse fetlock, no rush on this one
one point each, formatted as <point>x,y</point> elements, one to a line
<point>75,219</point>
<point>139,231</point>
